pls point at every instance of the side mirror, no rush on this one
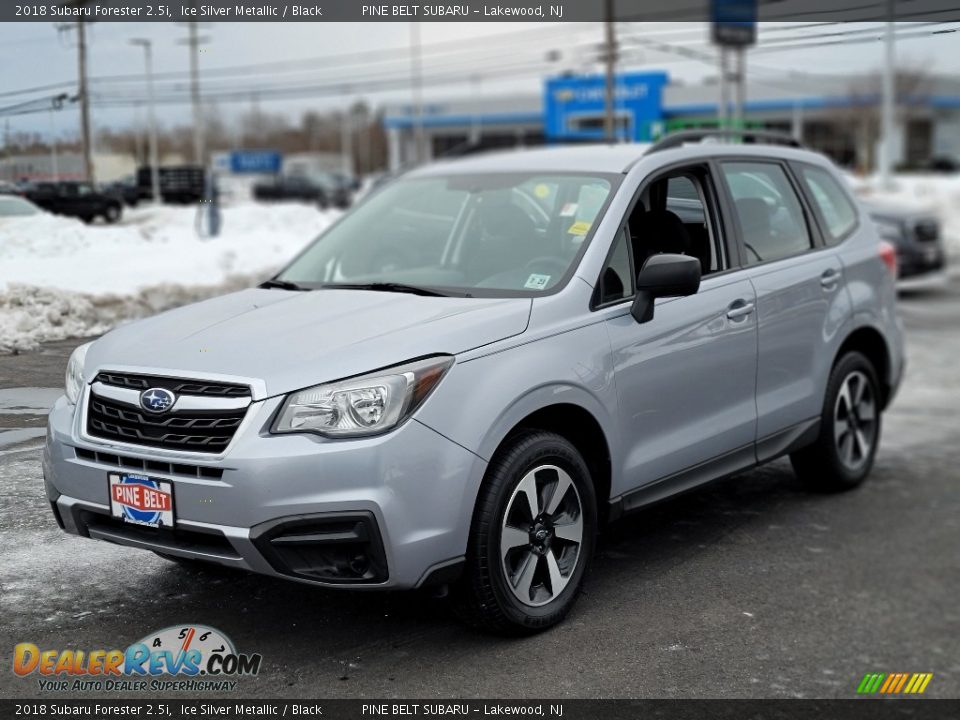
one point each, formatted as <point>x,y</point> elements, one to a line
<point>664,275</point>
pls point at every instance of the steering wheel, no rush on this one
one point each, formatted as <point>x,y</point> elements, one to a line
<point>538,264</point>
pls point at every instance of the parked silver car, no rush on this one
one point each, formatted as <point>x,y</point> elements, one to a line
<point>475,369</point>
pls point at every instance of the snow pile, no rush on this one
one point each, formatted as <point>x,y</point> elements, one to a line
<point>60,278</point>
<point>937,193</point>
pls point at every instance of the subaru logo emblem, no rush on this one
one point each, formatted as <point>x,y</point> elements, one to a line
<point>157,400</point>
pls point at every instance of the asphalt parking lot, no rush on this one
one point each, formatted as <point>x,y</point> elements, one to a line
<point>751,587</point>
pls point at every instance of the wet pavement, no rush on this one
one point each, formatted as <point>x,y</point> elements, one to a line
<point>749,587</point>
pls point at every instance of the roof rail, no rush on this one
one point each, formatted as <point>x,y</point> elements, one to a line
<point>765,137</point>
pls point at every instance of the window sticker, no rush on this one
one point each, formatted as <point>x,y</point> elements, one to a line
<point>541,191</point>
<point>591,200</point>
<point>568,210</point>
<point>536,282</point>
<point>581,227</point>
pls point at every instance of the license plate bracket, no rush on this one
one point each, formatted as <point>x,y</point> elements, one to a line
<point>141,500</point>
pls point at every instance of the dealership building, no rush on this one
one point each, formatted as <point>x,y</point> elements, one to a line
<point>839,116</point>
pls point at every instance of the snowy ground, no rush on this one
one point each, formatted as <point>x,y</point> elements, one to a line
<point>60,278</point>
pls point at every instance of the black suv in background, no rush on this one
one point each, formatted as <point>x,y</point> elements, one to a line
<point>75,199</point>
<point>326,189</point>
<point>916,236</point>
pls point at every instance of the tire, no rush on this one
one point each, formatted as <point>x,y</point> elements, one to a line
<point>111,214</point>
<point>504,593</point>
<point>842,455</point>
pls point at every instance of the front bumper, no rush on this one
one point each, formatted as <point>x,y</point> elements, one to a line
<point>404,500</point>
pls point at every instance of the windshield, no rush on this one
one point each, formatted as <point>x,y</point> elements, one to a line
<point>489,235</point>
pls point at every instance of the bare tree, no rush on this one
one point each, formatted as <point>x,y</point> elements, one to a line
<point>860,119</point>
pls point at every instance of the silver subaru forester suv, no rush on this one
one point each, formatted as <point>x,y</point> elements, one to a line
<point>469,374</point>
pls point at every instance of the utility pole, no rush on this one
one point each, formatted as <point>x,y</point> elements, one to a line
<point>346,141</point>
<point>416,83</point>
<point>84,101</point>
<point>888,100</point>
<point>740,89</point>
<point>194,41</point>
<point>151,118</point>
<point>610,57</point>
<point>82,92</point>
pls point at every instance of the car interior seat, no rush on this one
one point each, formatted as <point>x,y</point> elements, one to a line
<point>657,231</point>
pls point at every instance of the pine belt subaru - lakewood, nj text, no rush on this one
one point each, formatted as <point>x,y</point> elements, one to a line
<point>486,360</point>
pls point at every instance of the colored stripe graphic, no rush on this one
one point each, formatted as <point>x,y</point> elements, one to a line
<point>894,683</point>
<point>870,683</point>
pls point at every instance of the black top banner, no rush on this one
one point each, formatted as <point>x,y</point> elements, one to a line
<point>502,11</point>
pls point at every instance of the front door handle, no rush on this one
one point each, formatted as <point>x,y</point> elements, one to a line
<point>739,309</point>
<point>830,278</point>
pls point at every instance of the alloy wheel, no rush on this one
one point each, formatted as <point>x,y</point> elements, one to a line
<point>855,420</point>
<point>541,535</point>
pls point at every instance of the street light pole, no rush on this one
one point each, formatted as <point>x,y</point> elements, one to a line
<point>416,82</point>
<point>151,118</point>
<point>610,56</point>
<point>887,111</point>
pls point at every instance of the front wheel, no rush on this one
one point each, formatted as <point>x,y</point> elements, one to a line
<point>842,456</point>
<point>111,214</point>
<point>532,537</point>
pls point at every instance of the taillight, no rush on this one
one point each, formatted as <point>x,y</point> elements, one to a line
<point>888,253</point>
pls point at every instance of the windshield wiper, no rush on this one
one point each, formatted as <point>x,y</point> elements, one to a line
<point>388,287</point>
<point>281,285</point>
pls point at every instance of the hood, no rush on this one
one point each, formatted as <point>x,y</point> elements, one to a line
<point>283,340</point>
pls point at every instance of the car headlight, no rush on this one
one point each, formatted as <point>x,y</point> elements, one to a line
<point>364,405</point>
<point>74,377</point>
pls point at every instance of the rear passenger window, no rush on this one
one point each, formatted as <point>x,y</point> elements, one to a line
<point>839,214</point>
<point>770,214</point>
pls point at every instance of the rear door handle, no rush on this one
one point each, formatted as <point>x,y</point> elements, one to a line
<point>829,278</point>
<point>739,309</point>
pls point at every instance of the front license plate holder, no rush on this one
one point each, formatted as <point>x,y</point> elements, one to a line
<point>141,500</point>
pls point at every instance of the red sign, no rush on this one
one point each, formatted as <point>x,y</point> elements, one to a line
<point>141,497</point>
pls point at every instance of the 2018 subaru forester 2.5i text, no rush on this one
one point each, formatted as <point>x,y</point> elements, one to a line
<point>468,374</point>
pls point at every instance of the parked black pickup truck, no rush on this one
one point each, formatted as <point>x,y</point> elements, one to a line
<point>75,199</point>
<point>179,184</point>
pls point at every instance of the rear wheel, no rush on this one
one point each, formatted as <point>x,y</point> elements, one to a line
<point>843,454</point>
<point>532,536</point>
